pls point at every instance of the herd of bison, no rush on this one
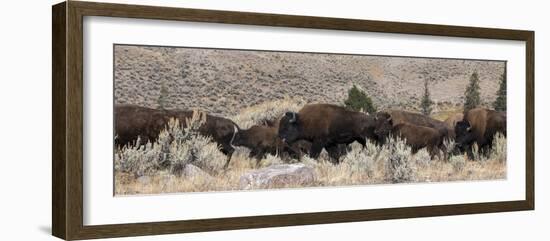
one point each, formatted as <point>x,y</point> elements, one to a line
<point>320,126</point>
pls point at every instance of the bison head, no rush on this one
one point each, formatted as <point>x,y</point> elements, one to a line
<point>240,139</point>
<point>383,125</point>
<point>464,135</point>
<point>289,127</point>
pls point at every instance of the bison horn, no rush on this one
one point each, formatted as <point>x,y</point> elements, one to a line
<point>389,119</point>
<point>469,128</point>
<point>235,131</point>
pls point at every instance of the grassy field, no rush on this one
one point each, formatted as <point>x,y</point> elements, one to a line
<point>327,173</point>
<point>159,168</point>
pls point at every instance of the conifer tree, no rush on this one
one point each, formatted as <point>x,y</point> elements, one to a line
<point>163,96</point>
<point>472,99</point>
<point>500,102</point>
<point>358,100</point>
<point>426,103</point>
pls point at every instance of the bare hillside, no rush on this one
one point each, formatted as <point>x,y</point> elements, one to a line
<point>225,81</point>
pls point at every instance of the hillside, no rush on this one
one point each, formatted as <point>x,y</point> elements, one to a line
<point>225,81</point>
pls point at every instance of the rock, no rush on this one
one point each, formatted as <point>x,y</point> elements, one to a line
<point>277,176</point>
<point>193,172</point>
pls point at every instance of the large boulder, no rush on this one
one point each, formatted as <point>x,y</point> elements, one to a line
<point>278,176</point>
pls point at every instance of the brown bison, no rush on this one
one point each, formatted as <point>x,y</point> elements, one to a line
<point>400,116</point>
<point>262,140</point>
<point>479,126</point>
<point>132,121</point>
<point>415,136</point>
<point>326,126</point>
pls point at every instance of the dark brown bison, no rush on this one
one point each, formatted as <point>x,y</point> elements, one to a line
<point>479,126</point>
<point>132,121</point>
<point>326,126</point>
<point>415,136</point>
<point>397,117</point>
<point>262,140</point>
<point>304,147</point>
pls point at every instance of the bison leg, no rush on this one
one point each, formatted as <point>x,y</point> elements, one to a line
<point>229,153</point>
<point>258,154</point>
<point>316,148</point>
<point>335,152</point>
<point>362,141</point>
<point>292,152</point>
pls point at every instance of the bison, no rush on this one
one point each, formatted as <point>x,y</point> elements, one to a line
<point>264,139</point>
<point>132,121</point>
<point>415,136</point>
<point>479,126</point>
<point>400,116</point>
<point>326,126</point>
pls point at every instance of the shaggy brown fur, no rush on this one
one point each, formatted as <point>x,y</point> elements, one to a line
<point>326,126</point>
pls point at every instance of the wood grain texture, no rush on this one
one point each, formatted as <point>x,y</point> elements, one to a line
<point>74,151</point>
<point>67,150</point>
<point>530,121</point>
<point>58,121</point>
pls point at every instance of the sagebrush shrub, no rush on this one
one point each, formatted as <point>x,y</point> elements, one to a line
<point>477,154</point>
<point>422,158</point>
<point>448,148</point>
<point>458,162</point>
<point>360,160</point>
<point>399,165</point>
<point>139,161</point>
<point>498,150</point>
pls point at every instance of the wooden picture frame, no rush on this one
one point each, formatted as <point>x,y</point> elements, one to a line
<point>67,100</point>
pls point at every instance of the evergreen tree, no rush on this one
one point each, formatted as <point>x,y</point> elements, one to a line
<point>500,102</point>
<point>426,103</point>
<point>358,100</point>
<point>472,99</point>
<point>163,96</point>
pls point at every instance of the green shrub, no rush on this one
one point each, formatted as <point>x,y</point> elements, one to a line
<point>471,95</point>
<point>500,102</point>
<point>359,101</point>
<point>426,102</point>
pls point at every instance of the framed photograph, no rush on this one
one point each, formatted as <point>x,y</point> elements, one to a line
<point>170,120</point>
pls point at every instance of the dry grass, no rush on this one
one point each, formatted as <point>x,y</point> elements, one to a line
<point>445,112</point>
<point>266,111</point>
<point>328,174</point>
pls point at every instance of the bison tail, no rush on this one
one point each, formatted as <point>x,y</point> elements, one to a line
<point>235,131</point>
